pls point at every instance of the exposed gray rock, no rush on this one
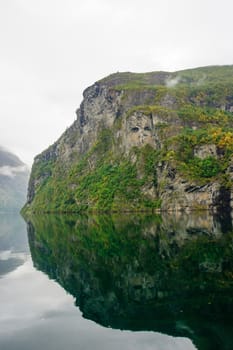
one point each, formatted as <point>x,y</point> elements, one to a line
<point>204,151</point>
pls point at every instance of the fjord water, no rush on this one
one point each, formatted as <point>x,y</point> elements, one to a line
<point>110,282</point>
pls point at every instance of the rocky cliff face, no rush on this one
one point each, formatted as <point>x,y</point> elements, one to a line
<point>143,141</point>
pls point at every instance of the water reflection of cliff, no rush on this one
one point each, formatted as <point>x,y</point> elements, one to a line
<point>13,242</point>
<point>170,274</point>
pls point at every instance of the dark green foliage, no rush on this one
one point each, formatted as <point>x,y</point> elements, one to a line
<point>44,167</point>
<point>99,187</point>
<point>204,168</point>
<point>207,167</point>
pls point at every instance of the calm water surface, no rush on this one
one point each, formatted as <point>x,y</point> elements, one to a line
<point>116,282</point>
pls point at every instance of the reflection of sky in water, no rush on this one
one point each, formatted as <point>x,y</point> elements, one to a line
<point>9,254</point>
<point>37,313</point>
<point>14,248</point>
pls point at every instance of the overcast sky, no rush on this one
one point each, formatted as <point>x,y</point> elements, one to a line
<point>51,50</point>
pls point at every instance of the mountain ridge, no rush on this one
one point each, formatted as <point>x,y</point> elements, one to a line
<point>143,141</point>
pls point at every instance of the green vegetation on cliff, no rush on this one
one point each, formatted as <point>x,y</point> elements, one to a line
<point>99,181</point>
<point>137,139</point>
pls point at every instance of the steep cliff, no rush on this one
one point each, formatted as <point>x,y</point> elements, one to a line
<point>14,176</point>
<point>143,142</point>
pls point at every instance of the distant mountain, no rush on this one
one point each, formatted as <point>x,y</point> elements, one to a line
<point>13,181</point>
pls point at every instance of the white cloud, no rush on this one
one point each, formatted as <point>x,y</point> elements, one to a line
<point>173,82</point>
<point>33,300</point>
<point>11,171</point>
